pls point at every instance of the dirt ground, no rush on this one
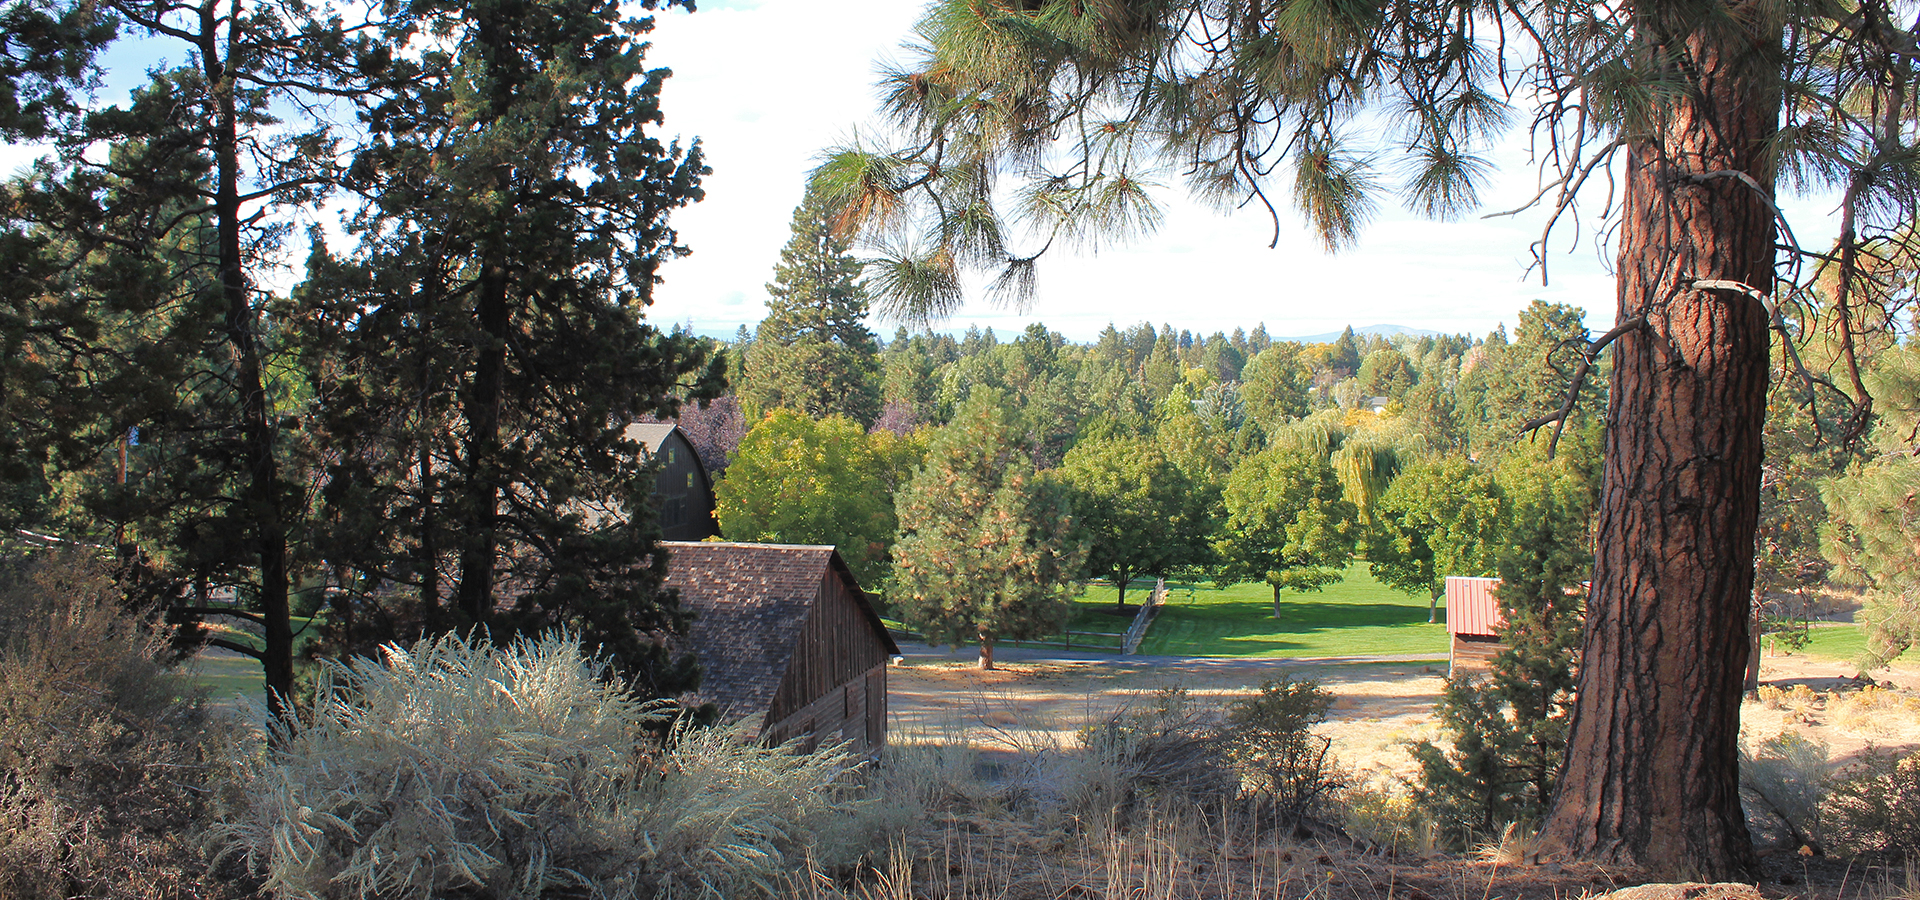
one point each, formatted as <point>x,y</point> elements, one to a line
<point>1378,708</point>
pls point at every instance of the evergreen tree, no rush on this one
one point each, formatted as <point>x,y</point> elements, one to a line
<point>160,215</point>
<point>986,549</point>
<point>1509,728</point>
<point>488,330</point>
<point>813,352</point>
<point>1873,536</point>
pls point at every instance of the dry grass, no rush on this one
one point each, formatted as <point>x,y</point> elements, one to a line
<point>992,835</point>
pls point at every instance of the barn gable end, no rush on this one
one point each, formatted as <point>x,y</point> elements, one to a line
<point>682,489</point>
<point>784,631</point>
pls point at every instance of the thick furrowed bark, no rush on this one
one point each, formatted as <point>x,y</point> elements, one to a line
<point>1651,778</point>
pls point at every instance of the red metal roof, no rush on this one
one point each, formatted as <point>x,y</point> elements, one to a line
<point>1471,608</point>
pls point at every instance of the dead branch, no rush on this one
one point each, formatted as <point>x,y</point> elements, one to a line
<point>1558,418</point>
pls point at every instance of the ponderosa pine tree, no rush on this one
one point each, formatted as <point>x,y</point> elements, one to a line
<point>1873,534</point>
<point>813,352</point>
<point>162,212</point>
<point>1698,105</point>
<point>986,549</point>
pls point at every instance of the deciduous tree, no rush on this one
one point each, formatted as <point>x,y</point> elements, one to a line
<point>1286,524</point>
<point>1134,509</point>
<point>798,480</point>
<point>1440,517</point>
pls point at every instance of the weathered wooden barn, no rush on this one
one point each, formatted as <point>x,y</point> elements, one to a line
<point>784,631</point>
<point>682,491</point>
<point>1473,616</point>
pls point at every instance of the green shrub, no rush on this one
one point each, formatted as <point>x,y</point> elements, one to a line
<point>459,770</point>
<point>1271,742</point>
<point>1873,806</point>
<point>1165,748</point>
<point>107,757</point>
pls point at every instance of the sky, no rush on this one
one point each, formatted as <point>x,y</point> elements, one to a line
<point>768,85</point>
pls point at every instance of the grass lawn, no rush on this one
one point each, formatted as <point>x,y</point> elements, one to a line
<point>233,678</point>
<point>1842,642</point>
<point>1356,616</point>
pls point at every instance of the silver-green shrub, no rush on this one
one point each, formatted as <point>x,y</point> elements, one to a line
<point>457,768</point>
<point>1782,783</point>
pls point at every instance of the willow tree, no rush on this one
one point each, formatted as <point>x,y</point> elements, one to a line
<point>1693,109</point>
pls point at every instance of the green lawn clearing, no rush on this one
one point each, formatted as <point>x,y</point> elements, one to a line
<point>1842,642</point>
<point>1357,616</point>
<point>233,678</point>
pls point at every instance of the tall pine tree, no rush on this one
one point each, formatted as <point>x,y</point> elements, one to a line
<point>490,331</point>
<point>986,548</point>
<point>813,352</point>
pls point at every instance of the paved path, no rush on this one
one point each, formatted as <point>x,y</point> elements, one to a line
<point>922,652</point>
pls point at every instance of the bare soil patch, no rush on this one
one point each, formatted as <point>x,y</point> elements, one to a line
<point>1378,707</point>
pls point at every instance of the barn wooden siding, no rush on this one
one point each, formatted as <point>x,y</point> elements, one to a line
<point>784,631</point>
<point>826,688</point>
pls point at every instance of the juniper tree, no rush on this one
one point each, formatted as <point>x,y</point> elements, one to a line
<point>489,332</point>
<point>1509,727</point>
<point>1693,108</point>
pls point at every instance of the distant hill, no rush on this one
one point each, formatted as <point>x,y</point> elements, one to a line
<point>1382,330</point>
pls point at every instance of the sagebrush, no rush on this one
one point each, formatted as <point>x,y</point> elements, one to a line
<point>112,759</point>
<point>457,768</point>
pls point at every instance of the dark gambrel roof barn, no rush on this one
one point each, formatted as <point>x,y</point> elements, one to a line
<point>785,631</point>
<point>682,489</point>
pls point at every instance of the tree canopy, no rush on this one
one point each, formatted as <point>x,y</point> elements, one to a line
<point>1692,112</point>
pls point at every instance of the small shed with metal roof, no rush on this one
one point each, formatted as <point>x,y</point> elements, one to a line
<point>1473,622</point>
<point>784,631</point>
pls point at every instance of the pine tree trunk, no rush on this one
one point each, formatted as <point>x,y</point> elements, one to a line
<point>474,596</point>
<point>986,653</point>
<point>1652,778</point>
<point>260,488</point>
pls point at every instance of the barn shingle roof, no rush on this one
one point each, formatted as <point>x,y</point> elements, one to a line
<point>750,602</point>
